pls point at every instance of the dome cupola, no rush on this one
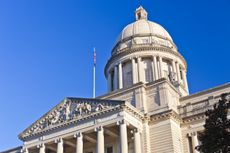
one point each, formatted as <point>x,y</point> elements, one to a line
<point>145,52</point>
<point>141,14</point>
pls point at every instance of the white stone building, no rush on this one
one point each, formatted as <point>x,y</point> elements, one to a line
<point>147,109</point>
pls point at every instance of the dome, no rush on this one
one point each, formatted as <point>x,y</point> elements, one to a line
<point>143,32</point>
<point>143,27</point>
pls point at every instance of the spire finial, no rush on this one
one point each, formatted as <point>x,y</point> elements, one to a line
<point>141,13</point>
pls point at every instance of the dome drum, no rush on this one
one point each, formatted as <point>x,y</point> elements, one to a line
<point>145,67</point>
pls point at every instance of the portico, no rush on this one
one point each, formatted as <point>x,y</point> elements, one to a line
<point>112,131</point>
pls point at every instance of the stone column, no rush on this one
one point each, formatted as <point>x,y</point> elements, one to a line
<point>115,78</point>
<point>41,148</point>
<point>140,70</point>
<point>160,67</point>
<point>123,137</point>
<point>109,82</point>
<point>137,141</point>
<point>134,71</point>
<point>79,142</point>
<point>153,70</point>
<point>60,148</point>
<point>100,140</point>
<point>195,142</point>
<point>178,72</point>
<point>174,69</point>
<point>120,76</point>
<point>185,79</point>
<point>156,76</point>
<point>24,150</point>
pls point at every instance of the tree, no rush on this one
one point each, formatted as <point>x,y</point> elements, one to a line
<point>216,135</point>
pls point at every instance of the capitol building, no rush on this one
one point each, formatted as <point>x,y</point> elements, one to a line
<point>147,109</point>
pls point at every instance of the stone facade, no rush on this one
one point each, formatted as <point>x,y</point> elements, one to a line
<point>147,109</point>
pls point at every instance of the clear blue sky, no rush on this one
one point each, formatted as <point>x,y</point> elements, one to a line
<point>46,49</point>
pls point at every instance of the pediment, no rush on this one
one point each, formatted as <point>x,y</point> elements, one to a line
<point>70,109</point>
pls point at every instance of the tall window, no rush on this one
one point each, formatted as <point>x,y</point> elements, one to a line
<point>148,70</point>
<point>127,75</point>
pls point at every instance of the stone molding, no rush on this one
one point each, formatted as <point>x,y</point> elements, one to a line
<point>197,117</point>
<point>170,114</point>
<point>141,35</point>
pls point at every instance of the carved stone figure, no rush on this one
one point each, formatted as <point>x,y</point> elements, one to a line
<point>99,107</point>
<point>86,108</point>
<point>55,118</point>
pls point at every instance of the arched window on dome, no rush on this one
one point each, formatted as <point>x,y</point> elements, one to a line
<point>147,66</point>
<point>127,74</point>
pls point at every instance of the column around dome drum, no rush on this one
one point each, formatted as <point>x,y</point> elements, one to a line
<point>140,77</point>
<point>153,70</point>
<point>156,76</point>
<point>185,80</point>
<point>178,72</point>
<point>160,67</point>
<point>109,82</point>
<point>174,68</point>
<point>115,78</point>
<point>134,71</point>
<point>120,76</point>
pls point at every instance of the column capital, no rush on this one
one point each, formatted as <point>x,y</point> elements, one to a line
<point>58,140</point>
<point>78,134</point>
<point>24,150</point>
<point>41,145</point>
<point>136,130</point>
<point>99,128</point>
<point>122,122</point>
<point>194,133</point>
<point>191,134</point>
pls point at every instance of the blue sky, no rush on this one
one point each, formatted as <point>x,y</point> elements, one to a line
<point>46,49</point>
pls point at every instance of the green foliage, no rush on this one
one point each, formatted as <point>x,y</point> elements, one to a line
<point>216,136</point>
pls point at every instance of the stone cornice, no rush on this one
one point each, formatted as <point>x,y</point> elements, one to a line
<point>226,85</point>
<point>193,118</point>
<point>121,91</point>
<point>127,51</point>
<point>170,114</point>
<point>134,111</point>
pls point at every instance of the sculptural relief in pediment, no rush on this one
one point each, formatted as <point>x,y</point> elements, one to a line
<point>70,109</point>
